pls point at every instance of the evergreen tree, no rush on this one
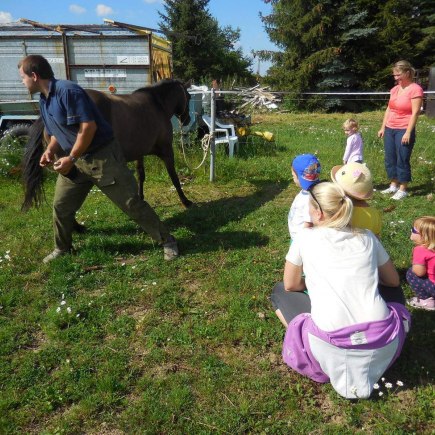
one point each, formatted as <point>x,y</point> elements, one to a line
<point>200,47</point>
<point>332,45</point>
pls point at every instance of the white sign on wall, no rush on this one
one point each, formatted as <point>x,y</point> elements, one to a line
<point>55,60</point>
<point>133,60</point>
<point>105,73</point>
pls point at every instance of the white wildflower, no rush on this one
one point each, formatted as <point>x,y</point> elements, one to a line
<point>381,393</point>
<point>7,257</point>
<point>63,302</point>
<point>376,386</point>
<point>154,283</point>
<point>68,310</point>
<point>399,383</point>
<point>58,310</point>
<point>388,385</point>
<point>78,315</point>
<point>383,379</point>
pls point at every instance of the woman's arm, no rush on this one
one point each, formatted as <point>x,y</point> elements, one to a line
<point>293,280</point>
<point>416,106</point>
<point>388,275</point>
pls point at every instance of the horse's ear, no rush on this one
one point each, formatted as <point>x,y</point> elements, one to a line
<point>188,84</point>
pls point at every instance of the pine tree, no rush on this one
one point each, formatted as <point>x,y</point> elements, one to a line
<point>200,47</point>
<point>331,45</point>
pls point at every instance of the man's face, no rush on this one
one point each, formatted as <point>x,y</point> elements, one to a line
<point>30,82</point>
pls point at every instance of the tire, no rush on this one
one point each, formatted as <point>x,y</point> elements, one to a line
<point>17,130</point>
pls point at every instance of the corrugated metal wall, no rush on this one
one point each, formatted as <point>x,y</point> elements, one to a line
<point>105,57</point>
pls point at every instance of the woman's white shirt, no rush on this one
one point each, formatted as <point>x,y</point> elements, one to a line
<point>341,275</point>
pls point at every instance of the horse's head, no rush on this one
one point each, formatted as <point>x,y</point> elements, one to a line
<point>182,108</point>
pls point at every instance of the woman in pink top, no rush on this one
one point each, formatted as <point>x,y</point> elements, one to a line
<point>398,128</point>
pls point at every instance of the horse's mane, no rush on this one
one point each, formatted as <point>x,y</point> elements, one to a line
<point>161,86</point>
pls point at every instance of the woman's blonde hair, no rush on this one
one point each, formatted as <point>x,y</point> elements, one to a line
<point>405,67</point>
<point>332,201</point>
<point>426,228</point>
<point>351,124</point>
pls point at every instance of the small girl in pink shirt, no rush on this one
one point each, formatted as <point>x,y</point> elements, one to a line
<point>421,276</point>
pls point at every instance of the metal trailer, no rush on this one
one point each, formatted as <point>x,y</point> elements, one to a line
<point>112,57</point>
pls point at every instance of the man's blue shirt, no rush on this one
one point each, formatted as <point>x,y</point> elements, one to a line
<point>66,106</point>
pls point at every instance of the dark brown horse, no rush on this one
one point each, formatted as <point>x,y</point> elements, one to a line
<point>141,123</point>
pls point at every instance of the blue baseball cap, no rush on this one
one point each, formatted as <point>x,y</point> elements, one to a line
<point>307,168</point>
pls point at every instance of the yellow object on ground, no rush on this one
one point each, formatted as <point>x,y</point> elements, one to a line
<point>267,135</point>
<point>245,131</point>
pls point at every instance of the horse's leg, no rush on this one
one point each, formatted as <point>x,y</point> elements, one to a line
<point>170,167</point>
<point>140,169</point>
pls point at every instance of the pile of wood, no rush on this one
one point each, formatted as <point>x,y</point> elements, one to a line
<point>257,97</point>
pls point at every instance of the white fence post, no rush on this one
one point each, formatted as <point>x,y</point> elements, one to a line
<point>212,135</point>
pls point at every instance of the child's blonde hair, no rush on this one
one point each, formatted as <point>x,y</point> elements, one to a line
<point>351,124</point>
<point>426,228</point>
<point>332,201</point>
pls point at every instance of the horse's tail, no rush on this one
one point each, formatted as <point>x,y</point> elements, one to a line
<point>33,175</point>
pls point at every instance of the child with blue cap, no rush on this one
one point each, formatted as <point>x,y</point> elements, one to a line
<point>306,172</point>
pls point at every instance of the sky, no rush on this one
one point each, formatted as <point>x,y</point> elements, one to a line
<point>242,14</point>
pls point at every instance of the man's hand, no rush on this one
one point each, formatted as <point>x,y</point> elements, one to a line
<point>46,158</point>
<point>63,165</point>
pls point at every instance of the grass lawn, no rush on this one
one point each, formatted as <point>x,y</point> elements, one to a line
<point>114,340</point>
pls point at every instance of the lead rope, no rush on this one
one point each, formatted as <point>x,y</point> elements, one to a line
<point>205,146</point>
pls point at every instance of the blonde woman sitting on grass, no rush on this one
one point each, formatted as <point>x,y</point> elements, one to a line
<point>352,324</point>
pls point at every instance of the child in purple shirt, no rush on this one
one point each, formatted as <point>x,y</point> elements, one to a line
<point>354,142</point>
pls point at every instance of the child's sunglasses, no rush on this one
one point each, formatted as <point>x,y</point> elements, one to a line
<point>414,231</point>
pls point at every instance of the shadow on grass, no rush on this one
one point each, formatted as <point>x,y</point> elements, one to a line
<point>205,220</point>
<point>416,366</point>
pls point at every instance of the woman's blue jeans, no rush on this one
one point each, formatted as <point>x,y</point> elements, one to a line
<point>398,155</point>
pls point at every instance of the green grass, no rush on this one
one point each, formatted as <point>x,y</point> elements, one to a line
<point>193,346</point>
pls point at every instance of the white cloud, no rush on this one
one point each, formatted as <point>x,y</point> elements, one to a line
<point>76,9</point>
<point>5,17</point>
<point>103,10</point>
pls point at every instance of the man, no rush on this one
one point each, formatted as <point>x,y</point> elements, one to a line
<point>84,153</point>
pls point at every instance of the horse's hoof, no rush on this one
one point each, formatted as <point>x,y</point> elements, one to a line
<point>188,203</point>
<point>79,228</point>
